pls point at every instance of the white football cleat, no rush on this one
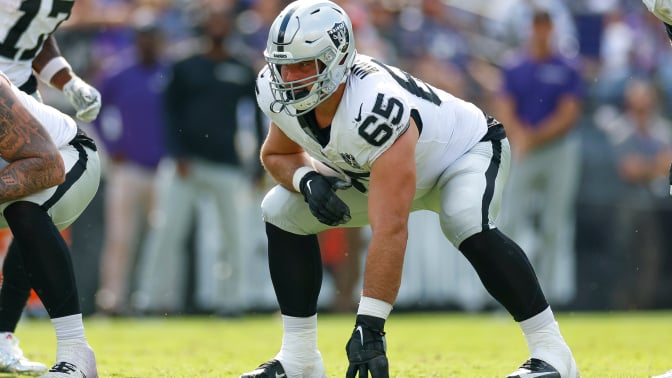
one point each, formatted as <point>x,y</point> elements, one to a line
<point>64,370</point>
<point>74,359</point>
<point>535,367</point>
<point>12,359</point>
<point>277,369</point>
<point>272,368</point>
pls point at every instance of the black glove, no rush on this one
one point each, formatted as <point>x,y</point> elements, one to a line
<point>366,349</point>
<point>320,193</point>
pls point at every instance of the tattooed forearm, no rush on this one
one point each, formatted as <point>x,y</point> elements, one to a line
<point>28,176</point>
<point>34,161</point>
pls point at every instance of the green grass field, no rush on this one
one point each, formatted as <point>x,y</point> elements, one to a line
<point>633,344</point>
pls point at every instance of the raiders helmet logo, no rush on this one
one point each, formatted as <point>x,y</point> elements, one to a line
<point>339,36</point>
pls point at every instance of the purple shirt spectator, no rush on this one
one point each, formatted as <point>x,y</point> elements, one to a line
<point>131,122</point>
<point>539,86</point>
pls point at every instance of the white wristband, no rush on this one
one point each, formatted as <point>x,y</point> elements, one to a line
<point>374,307</point>
<point>52,67</point>
<point>298,175</point>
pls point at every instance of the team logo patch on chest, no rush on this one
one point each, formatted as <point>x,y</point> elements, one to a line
<point>350,160</point>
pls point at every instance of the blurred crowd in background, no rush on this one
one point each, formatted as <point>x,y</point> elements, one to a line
<point>620,245</point>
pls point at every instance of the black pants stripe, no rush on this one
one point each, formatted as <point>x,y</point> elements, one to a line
<point>70,178</point>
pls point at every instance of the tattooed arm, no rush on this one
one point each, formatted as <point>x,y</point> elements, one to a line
<point>34,161</point>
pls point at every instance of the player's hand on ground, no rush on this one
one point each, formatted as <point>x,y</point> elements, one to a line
<point>366,353</point>
<point>84,98</point>
<point>320,193</point>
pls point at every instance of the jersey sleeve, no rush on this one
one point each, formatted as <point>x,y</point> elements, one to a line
<point>61,127</point>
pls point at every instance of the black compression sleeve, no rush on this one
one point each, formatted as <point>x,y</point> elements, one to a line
<point>50,268</point>
<point>15,289</point>
<point>296,270</point>
<point>506,273</point>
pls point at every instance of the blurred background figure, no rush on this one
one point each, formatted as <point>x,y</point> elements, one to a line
<point>512,22</point>
<point>540,105</point>
<point>131,127</point>
<point>213,136</point>
<point>341,250</point>
<point>431,29</point>
<point>642,139</point>
<point>254,23</point>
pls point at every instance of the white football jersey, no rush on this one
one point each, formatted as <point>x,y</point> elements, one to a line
<point>376,108</point>
<point>661,9</point>
<point>24,26</point>
<point>61,127</point>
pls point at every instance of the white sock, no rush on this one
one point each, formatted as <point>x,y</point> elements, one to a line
<point>545,341</point>
<point>69,327</point>
<point>72,346</point>
<point>537,322</point>
<point>299,344</point>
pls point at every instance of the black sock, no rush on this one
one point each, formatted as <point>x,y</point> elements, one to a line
<point>50,270</point>
<point>15,289</point>
<point>296,271</point>
<point>505,272</point>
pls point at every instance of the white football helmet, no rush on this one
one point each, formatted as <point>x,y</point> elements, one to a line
<point>309,30</point>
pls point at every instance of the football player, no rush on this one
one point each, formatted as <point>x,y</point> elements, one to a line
<point>354,141</point>
<point>29,48</point>
<point>39,195</point>
<point>27,52</point>
<point>663,10</point>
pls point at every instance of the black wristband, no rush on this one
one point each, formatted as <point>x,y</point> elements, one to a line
<point>668,29</point>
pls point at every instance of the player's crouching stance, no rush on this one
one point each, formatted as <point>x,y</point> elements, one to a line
<point>388,144</point>
<point>50,171</point>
